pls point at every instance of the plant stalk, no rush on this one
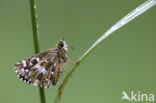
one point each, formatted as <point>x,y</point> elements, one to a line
<point>35,39</point>
<point>129,17</point>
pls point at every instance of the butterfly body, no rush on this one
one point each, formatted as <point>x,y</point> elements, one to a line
<point>43,68</point>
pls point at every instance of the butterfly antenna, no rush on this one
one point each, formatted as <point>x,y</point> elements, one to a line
<point>72,47</point>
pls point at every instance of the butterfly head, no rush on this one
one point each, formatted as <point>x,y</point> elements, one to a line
<point>62,44</point>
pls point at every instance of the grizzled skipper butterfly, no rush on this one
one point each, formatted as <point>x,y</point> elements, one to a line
<point>43,68</point>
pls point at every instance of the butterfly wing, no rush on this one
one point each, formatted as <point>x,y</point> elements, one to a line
<point>58,72</point>
<point>41,69</point>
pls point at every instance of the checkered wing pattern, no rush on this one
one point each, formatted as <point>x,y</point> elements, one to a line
<point>42,69</point>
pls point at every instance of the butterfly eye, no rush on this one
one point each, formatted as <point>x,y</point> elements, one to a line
<point>61,44</point>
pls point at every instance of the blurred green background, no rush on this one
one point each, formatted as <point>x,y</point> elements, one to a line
<point>126,60</point>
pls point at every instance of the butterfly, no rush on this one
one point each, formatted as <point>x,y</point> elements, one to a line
<point>44,68</point>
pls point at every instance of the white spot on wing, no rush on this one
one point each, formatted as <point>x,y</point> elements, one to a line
<point>26,70</point>
<point>29,73</point>
<point>22,69</point>
<point>30,63</point>
<point>45,61</point>
<point>24,63</point>
<point>35,84</point>
<point>36,81</point>
<point>26,77</point>
<point>38,59</point>
<point>43,71</point>
<point>29,80</point>
<point>16,71</point>
<point>40,69</point>
<point>52,73</point>
<point>54,64</point>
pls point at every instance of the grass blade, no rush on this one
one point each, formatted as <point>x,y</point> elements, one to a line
<point>132,15</point>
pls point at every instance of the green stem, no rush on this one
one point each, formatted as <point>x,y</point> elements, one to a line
<point>42,95</point>
<point>132,15</point>
<point>34,25</point>
<point>35,39</point>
